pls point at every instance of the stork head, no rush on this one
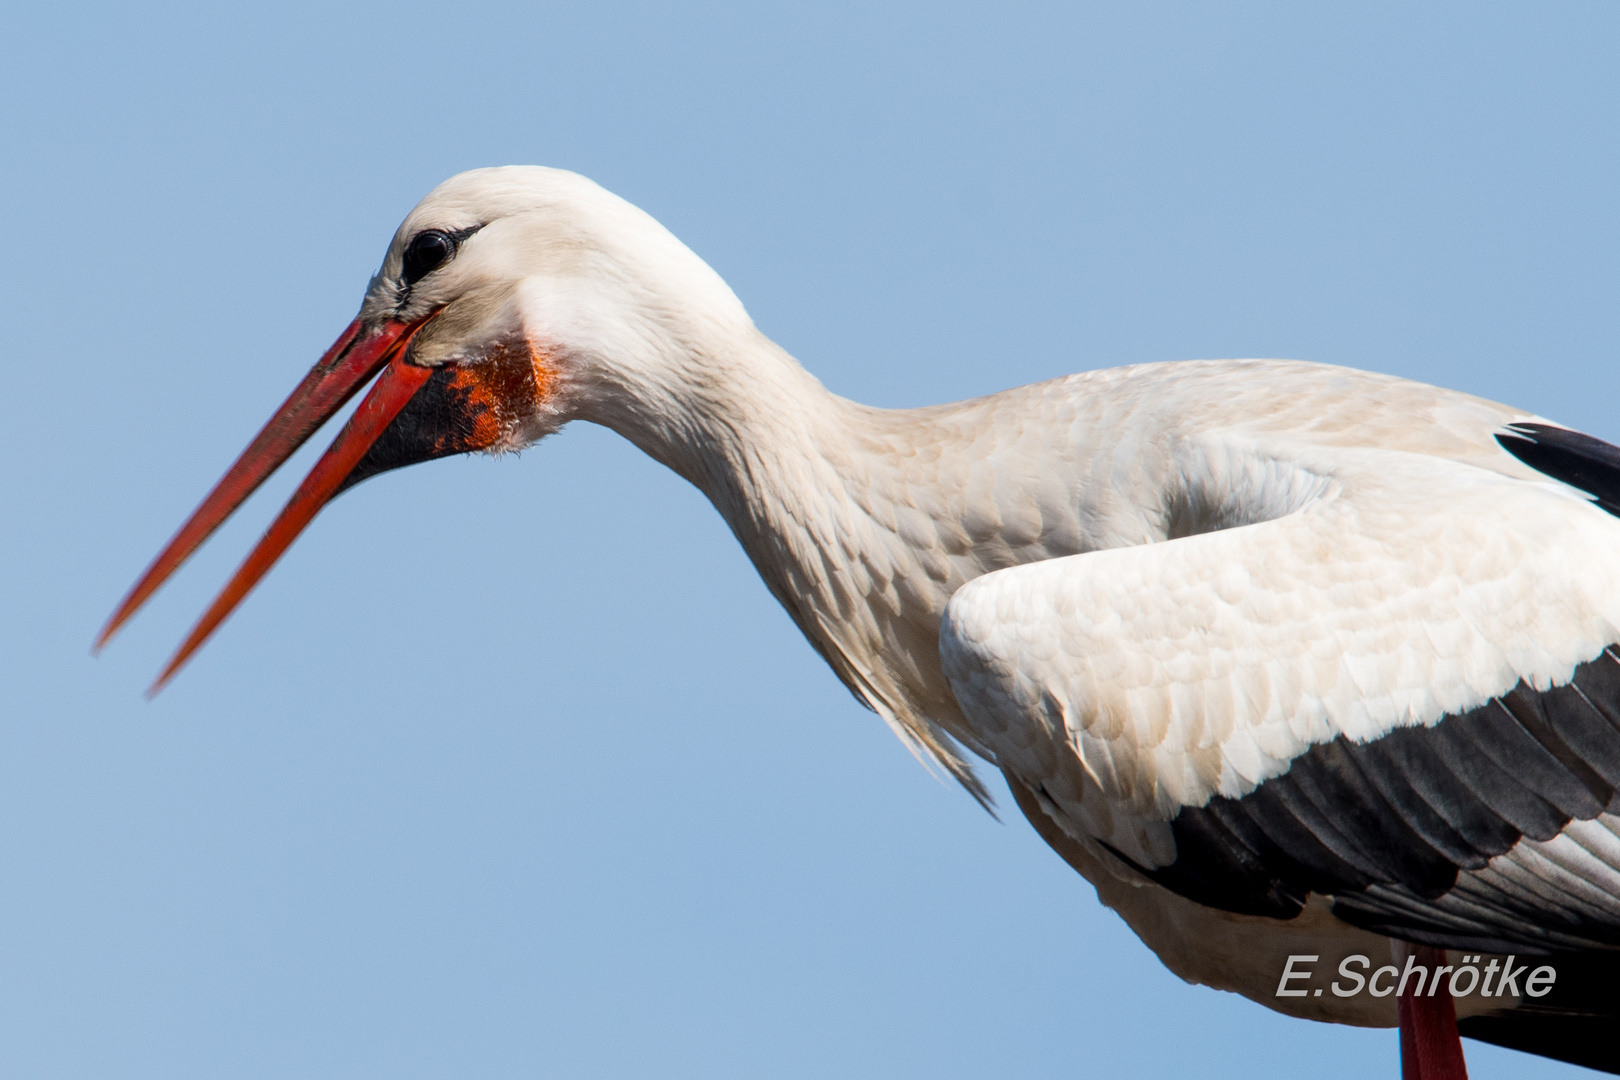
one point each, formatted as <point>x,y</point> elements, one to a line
<point>510,301</point>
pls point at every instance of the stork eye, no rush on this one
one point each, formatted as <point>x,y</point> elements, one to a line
<point>427,252</point>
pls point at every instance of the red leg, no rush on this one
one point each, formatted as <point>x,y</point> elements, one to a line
<point>1431,1049</point>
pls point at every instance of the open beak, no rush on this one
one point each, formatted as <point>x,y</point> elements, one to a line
<point>348,365</point>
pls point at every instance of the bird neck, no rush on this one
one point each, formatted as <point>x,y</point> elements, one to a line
<point>821,495</point>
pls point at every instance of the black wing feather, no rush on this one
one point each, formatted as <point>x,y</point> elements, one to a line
<point>1576,459</point>
<point>1387,827</point>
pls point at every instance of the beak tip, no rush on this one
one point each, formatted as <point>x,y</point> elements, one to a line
<point>114,623</point>
<point>162,680</point>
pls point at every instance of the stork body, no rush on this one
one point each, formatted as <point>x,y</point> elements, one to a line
<point>1285,659</point>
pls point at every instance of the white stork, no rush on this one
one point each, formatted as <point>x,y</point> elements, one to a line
<point>1289,661</point>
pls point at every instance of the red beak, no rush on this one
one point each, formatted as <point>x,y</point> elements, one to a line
<point>357,356</point>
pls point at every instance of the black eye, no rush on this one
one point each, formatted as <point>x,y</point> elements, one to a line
<point>426,253</point>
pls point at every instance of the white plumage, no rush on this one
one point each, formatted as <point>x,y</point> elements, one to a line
<point>1280,656</point>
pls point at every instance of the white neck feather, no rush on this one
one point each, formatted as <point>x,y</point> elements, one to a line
<point>835,518</point>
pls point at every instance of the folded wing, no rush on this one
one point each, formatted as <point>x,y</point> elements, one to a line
<point>1401,695</point>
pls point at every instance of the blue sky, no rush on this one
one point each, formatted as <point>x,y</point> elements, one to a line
<point>513,768</point>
